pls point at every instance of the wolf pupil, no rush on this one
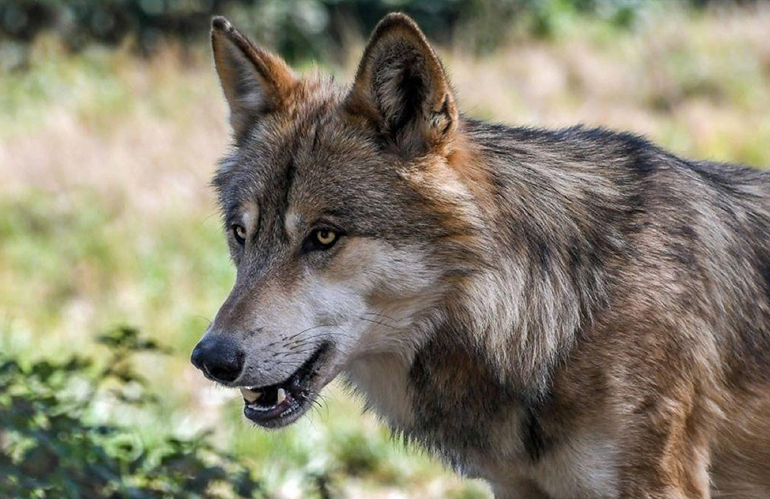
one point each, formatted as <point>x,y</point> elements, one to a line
<point>240,233</point>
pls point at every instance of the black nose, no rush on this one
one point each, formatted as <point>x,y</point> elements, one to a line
<point>219,358</point>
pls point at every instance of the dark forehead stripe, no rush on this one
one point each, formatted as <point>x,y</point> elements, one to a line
<point>309,127</point>
<point>263,164</point>
<point>285,178</point>
<point>290,173</point>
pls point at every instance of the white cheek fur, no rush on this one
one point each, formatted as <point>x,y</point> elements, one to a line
<point>384,290</point>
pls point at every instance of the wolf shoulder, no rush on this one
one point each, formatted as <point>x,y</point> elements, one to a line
<point>620,165</point>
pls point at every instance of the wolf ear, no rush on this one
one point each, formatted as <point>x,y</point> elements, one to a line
<point>254,81</point>
<point>402,89</point>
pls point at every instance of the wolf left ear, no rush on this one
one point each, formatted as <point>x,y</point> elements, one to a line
<point>254,81</point>
<point>402,89</point>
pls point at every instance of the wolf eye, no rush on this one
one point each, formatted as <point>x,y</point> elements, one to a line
<point>326,237</point>
<point>239,233</point>
<point>321,239</point>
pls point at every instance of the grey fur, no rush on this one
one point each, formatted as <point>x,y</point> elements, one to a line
<point>595,307</point>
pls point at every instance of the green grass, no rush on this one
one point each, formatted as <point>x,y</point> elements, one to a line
<point>106,217</point>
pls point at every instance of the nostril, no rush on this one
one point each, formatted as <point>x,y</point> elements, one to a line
<point>197,357</point>
<point>218,358</point>
<point>224,373</point>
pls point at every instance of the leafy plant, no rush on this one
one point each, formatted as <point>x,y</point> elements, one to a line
<point>50,446</point>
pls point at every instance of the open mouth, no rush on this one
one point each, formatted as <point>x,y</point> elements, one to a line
<point>277,405</point>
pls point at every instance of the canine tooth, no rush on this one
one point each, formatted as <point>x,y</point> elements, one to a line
<point>249,395</point>
<point>281,395</point>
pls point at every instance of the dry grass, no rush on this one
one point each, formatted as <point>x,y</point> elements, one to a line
<point>106,216</point>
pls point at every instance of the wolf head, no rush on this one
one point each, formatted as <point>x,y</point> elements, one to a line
<point>345,213</point>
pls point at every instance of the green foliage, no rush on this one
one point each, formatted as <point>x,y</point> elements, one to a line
<point>298,28</point>
<point>50,447</point>
<point>547,18</point>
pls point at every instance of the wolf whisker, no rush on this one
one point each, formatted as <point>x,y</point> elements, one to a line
<point>377,322</point>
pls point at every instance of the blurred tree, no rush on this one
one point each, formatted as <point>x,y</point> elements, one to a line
<point>296,28</point>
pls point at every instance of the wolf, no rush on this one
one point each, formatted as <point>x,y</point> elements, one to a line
<point>565,314</point>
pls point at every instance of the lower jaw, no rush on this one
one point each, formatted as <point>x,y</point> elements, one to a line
<point>300,398</point>
<point>278,420</point>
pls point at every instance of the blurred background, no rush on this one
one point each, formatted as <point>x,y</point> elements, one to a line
<point>112,259</point>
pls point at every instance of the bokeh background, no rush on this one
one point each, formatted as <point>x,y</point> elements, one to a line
<point>112,259</point>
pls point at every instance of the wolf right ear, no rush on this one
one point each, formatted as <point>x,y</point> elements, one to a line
<point>401,88</point>
<point>254,81</point>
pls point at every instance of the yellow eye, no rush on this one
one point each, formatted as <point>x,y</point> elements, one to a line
<point>239,231</point>
<point>326,237</point>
